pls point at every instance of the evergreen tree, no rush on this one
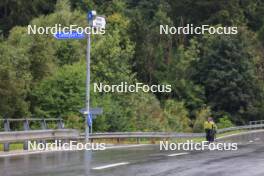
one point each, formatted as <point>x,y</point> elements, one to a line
<point>227,71</point>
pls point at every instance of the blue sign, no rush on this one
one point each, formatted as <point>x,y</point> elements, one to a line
<point>69,35</point>
<point>89,120</point>
<point>90,16</point>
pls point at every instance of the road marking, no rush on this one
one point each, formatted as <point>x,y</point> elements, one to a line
<point>25,153</point>
<point>22,153</point>
<point>17,154</point>
<point>126,146</point>
<point>239,134</point>
<point>110,165</point>
<point>178,154</point>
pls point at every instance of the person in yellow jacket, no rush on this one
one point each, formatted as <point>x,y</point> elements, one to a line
<point>210,129</point>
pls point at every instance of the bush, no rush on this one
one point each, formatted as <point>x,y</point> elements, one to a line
<point>224,122</point>
<point>177,115</point>
<point>201,117</point>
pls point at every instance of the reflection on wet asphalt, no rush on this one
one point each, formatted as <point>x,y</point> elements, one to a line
<point>140,161</point>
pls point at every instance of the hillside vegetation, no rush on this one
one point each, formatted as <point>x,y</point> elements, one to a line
<point>218,75</point>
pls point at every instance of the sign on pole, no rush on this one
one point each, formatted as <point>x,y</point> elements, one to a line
<point>99,22</point>
<point>69,35</point>
<point>90,17</point>
<point>90,120</point>
<point>93,111</point>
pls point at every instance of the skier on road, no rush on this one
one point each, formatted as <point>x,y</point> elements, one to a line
<point>210,129</point>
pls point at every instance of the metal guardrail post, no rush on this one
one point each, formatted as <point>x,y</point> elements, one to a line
<point>251,127</point>
<point>7,128</point>
<point>43,127</point>
<point>257,124</point>
<point>43,124</point>
<point>60,124</point>
<point>26,128</point>
<point>26,125</point>
<point>138,140</point>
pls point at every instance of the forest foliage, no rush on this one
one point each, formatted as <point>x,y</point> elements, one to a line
<point>211,75</point>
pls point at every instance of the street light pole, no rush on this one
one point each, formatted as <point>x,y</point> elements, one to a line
<point>87,87</point>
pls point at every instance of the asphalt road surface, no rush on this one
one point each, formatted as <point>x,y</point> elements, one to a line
<point>147,160</point>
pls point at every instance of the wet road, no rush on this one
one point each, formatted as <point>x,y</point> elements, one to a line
<point>248,160</point>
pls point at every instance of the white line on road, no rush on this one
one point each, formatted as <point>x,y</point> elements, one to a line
<point>178,154</point>
<point>127,146</point>
<point>26,152</point>
<point>110,165</point>
<point>22,153</point>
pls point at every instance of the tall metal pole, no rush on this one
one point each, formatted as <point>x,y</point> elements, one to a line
<point>87,87</point>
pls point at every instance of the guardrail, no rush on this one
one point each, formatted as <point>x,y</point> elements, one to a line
<point>255,122</point>
<point>19,136</point>
<point>245,127</point>
<point>26,122</point>
<point>16,136</point>
<point>138,135</point>
<point>145,135</point>
<point>8,135</point>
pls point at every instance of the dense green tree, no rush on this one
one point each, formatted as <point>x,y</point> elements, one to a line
<point>261,35</point>
<point>178,74</point>
<point>152,50</point>
<point>45,76</point>
<point>223,12</point>
<point>63,95</point>
<point>14,81</point>
<point>201,116</point>
<point>20,12</point>
<point>177,115</point>
<point>254,13</point>
<point>227,71</point>
<point>224,122</point>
